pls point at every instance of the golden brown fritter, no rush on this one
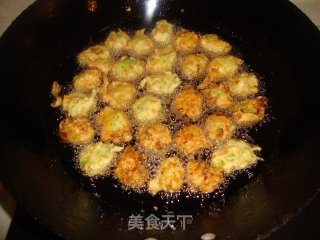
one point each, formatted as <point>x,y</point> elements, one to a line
<point>188,104</point>
<point>162,84</point>
<point>127,69</point>
<point>155,137</point>
<point>221,68</point>
<point>119,95</point>
<point>76,130</point>
<point>203,177</point>
<point>250,111</point>
<point>217,96</point>
<point>115,126</point>
<point>235,155</point>
<point>169,178</point>
<point>147,109</point>
<point>186,41</point>
<point>88,79</point>
<point>161,60</point>
<point>213,45</point>
<point>243,85</point>
<point>162,33</point>
<point>117,41</point>
<point>193,66</point>
<point>96,158</point>
<point>219,127</point>
<point>141,45</point>
<point>130,168</point>
<point>97,56</point>
<point>190,139</point>
<point>80,104</point>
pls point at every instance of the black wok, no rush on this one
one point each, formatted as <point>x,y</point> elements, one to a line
<point>274,37</point>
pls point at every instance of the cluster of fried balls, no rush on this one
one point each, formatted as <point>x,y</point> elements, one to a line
<point>139,98</point>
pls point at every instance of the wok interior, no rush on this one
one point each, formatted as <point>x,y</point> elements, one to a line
<point>43,44</point>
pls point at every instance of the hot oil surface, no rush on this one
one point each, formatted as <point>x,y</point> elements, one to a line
<point>109,188</point>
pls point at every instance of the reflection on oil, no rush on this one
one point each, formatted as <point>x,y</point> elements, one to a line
<point>92,6</point>
<point>49,8</point>
<point>151,5</point>
<point>128,8</point>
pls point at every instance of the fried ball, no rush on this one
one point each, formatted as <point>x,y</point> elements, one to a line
<point>190,139</point>
<point>147,109</point>
<point>115,126</point>
<point>186,41</point>
<point>218,127</point>
<point>193,66</point>
<point>243,85</point>
<point>162,33</point>
<point>213,45</point>
<point>235,155</point>
<point>155,137</point>
<point>78,104</point>
<point>141,45</point>
<point>249,111</point>
<point>188,104</point>
<point>89,79</point>
<point>127,69</point>
<point>76,130</point>
<point>203,177</point>
<point>217,96</point>
<point>169,178</point>
<point>161,60</point>
<point>95,159</point>
<point>97,56</point>
<point>221,68</point>
<point>117,41</point>
<point>130,168</point>
<point>119,95</point>
<point>161,84</point>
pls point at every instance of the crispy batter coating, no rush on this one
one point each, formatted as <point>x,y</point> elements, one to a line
<point>55,92</point>
<point>162,33</point>
<point>235,155</point>
<point>154,137</point>
<point>76,130</point>
<point>115,126</point>
<point>203,177</point>
<point>147,109</point>
<point>221,68</point>
<point>213,45</point>
<point>193,66</point>
<point>117,41</point>
<point>219,127</point>
<point>217,96</point>
<point>190,139</point>
<point>77,104</point>
<point>161,84</point>
<point>243,85</point>
<point>130,168</point>
<point>141,45</point>
<point>250,111</point>
<point>97,56</point>
<point>186,41</point>
<point>169,178</point>
<point>119,95</point>
<point>96,158</point>
<point>88,79</point>
<point>188,104</point>
<point>127,69</point>
<point>161,60</point>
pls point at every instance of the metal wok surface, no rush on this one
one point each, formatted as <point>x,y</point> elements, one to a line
<point>274,37</point>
